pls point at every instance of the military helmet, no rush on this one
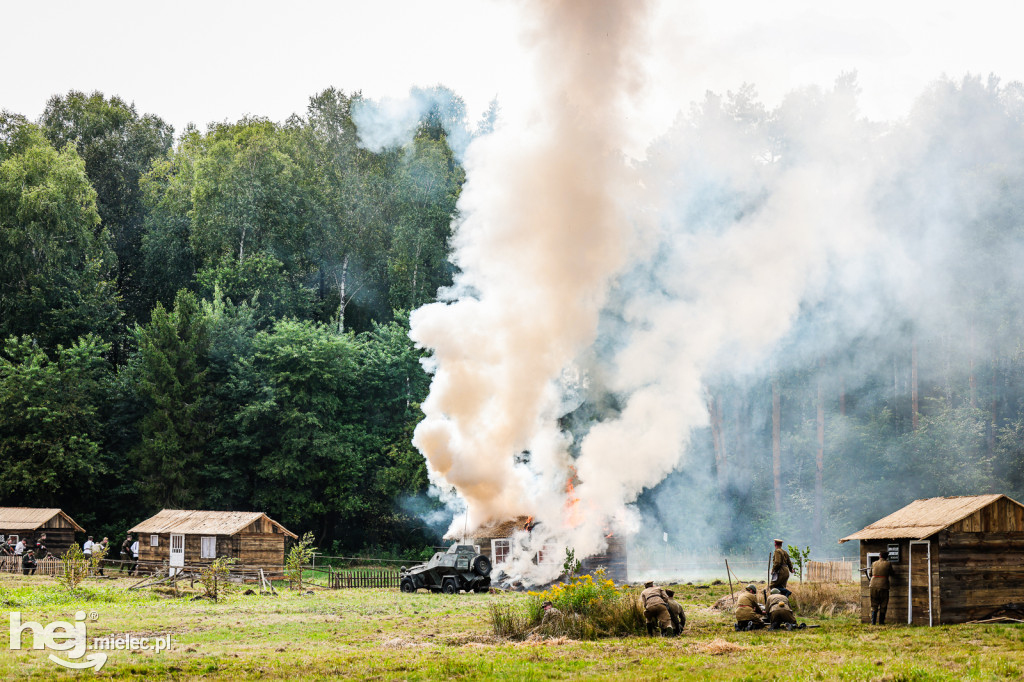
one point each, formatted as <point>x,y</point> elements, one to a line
<point>775,590</point>
<point>751,588</point>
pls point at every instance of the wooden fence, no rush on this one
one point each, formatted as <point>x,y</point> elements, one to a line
<point>830,572</point>
<point>380,578</point>
<point>12,564</point>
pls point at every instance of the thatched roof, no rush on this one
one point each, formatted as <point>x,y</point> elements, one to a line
<point>196,522</point>
<point>500,529</point>
<point>923,518</point>
<point>31,518</point>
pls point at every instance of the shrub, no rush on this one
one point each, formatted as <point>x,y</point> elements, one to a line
<point>214,577</point>
<point>591,607</point>
<point>74,567</point>
<point>300,555</point>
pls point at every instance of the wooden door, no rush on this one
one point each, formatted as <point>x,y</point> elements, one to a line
<point>177,557</point>
<point>920,606</point>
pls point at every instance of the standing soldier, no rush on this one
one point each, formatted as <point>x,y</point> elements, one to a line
<point>655,603</point>
<point>126,553</point>
<point>881,571</point>
<point>87,548</point>
<point>748,611</point>
<point>782,566</point>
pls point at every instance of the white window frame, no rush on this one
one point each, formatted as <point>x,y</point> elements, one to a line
<point>154,540</point>
<point>204,549</point>
<point>501,548</point>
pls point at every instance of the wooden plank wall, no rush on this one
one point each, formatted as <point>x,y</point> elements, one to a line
<point>1001,516</point>
<point>897,611</point>
<point>980,572</point>
<point>260,549</point>
<point>251,549</point>
<point>57,521</point>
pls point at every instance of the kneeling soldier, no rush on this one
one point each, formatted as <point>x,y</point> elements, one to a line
<point>780,614</point>
<point>675,611</point>
<point>748,611</point>
<point>655,603</point>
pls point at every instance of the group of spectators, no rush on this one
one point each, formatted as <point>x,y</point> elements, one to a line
<point>30,552</point>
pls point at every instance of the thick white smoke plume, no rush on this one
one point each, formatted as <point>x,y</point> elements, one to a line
<point>545,233</point>
<point>631,287</point>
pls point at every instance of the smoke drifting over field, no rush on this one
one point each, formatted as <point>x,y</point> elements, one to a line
<point>603,304</point>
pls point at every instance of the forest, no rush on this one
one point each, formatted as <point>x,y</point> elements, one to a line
<point>219,319</point>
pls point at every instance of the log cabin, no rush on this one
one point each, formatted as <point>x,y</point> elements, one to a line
<point>496,541</point>
<point>180,537</point>
<point>955,559</point>
<point>28,523</point>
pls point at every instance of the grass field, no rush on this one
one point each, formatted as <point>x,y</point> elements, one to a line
<point>386,635</point>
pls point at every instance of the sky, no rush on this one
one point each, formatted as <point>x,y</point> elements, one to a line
<point>200,62</point>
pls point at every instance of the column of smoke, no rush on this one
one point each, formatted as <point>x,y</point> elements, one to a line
<point>578,287</point>
<point>544,234</point>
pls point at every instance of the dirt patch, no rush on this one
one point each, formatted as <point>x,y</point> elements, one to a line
<point>727,602</point>
<point>402,643</point>
<point>719,646</point>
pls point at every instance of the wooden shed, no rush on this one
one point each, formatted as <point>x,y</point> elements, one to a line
<point>180,537</point>
<point>955,559</point>
<point>495,541</point>
<point>28,523</point>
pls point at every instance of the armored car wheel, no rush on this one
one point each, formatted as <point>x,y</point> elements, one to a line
<point>407,586</point>
<point>482,565</point>
<point>450,587</point>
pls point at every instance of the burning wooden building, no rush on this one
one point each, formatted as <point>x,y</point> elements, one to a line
<point>955,559</point>
<point>496,542</point>
<point>29,523</point>
<point>179,537</point>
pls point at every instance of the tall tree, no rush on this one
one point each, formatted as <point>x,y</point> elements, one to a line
<point>118,146</point>
<point>51,428</point>
<point>169,372</point>
<point>55,257</point>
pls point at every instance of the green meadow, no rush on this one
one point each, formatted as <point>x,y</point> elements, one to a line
<point>386,635</point>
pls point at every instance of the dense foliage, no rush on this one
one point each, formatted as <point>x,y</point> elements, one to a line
<point>216,321</point>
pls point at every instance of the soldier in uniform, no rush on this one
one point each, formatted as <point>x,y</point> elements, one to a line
<point>655,603</point>
<point>782,566</point>
<point>551,614</point>
<point>28,563</point>
<point>780,614</point>
<point>881,571</point>
<point>675,610</point>
<point>748,611</point>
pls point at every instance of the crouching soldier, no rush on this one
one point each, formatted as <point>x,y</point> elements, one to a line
<point>675,611</point>
<point>748,611</point>
<point>780,614</point>
<point>655,603</point>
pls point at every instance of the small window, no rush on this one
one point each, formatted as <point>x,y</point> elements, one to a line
<point>154,540</point>
<point>500,550</point>
<point>208,550</point>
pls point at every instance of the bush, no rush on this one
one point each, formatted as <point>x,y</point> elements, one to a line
<point>591,607</point>
<point>214,577</point>
<point>74,567</point>
<point>301,553</point>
